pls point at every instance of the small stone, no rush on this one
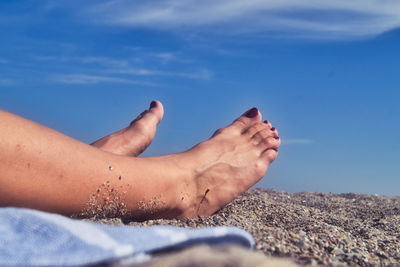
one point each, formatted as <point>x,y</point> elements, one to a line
<point>382,255</point>
<point>216,220</point>
<point>314,262</point>
<point>352,255</point>
<point>110,168</point>
<point>337,251</point>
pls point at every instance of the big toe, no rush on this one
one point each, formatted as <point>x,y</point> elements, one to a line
<point>248,118</point>
<point>156,112</point>
<point>152,116</point>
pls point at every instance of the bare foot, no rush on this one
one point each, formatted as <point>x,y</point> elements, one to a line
<point>134,139</point>
<point>228,164</point>
<point>207,177</point>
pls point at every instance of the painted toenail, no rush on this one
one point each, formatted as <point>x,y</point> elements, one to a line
<point>273,129</point>
<point>277,138</point>
<point>266,122</point>
<point>153,104</point>
<point>251,113</point>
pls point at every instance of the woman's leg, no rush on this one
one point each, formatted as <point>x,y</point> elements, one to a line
<point>44,169</point>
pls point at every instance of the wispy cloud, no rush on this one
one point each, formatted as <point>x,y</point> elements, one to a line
<point>203,74</point>
<point>124,67</point>
<point>83,79</point>
<point>103,61</point>
<point>165,57</point>
<point>5,82</point>
<point>296,141</point>
<point>308,18</point>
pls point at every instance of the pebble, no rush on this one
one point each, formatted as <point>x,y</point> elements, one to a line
<point>337,251</point>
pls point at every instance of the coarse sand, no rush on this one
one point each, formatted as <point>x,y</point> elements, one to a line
<point>309,228</point>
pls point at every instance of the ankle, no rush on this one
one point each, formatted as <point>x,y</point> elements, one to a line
<point>184,189</point>
<point>167,189</point>
<point>189,191</point>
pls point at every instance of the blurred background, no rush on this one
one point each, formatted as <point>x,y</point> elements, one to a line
<point>326,75</point>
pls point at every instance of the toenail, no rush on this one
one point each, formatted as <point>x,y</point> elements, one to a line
<point>273,129</point>
<point>266,122</point>
<point>251,113</point>
<point>277,138</point>
<point>153,104</point>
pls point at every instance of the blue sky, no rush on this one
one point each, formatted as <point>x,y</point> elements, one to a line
<point>325,74</point>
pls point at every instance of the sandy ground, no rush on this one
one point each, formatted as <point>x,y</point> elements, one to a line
<point>311,228</point>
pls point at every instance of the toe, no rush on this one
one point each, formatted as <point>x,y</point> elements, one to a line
<point>269,147</point>
<point>270,143</point>
<point>268,124</point>
<point>261,135</point>
<point>255,128</point>
<point>157,109</point>
<point>274,131</point>
<point>249,118</point>
<point>269,155</point>
<point>152,116</point>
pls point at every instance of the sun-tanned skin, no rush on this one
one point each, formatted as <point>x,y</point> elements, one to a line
<point>134,139</point>
<point>43,169</point>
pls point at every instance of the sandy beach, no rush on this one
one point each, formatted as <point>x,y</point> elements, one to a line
<point>310,228</point>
